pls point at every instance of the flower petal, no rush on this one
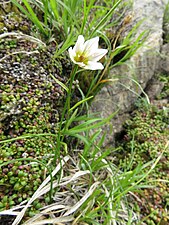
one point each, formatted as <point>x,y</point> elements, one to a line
<point>93,66</point>
<point>79,46</point>
<point>81,64</point>
<point>72,54</point>
<point>91,45</point>
<point>97,55</point>
<point>86,54</point>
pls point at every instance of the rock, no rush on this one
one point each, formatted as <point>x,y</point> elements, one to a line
<point>164,62</point>
<point>154,88</point>
<point>136,72</point>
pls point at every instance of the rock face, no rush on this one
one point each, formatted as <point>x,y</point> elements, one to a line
<point>136,73</point>
<point>164,62</point>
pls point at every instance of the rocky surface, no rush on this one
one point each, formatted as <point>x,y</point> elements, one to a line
<point>138,72</point>
<point>164,61</point>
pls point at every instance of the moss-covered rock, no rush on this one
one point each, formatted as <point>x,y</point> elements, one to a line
<point>31,102</point>
<point>11,19</point>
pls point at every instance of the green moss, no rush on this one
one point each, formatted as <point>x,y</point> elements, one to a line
<point>31,102</point>
<point>11,19</point>
<point>1,26</point>
<point>146,137</point>
<point>165,92</point>
<point>19,177</point>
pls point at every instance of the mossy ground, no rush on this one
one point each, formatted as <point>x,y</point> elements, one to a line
<point>145,137</point>
<point>31,102</point>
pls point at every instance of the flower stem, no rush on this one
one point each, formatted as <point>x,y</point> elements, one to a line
<point>65,111</point>
<point>72,77</point>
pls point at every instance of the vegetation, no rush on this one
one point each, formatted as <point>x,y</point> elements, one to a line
<point>53,167</point>
<point>166,24</point>
<point>145,138</point>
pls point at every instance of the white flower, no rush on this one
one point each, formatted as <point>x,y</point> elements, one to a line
<point>86,54</point>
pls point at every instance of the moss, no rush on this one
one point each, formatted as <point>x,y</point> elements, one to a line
<point>12,19</point>
<point>1,26</point>
<point>20,178</point>
<point>146,136</point>
<point>165,92</point>
<point>31,102</point>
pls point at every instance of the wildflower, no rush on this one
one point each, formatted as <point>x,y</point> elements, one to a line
<point>86,54</point>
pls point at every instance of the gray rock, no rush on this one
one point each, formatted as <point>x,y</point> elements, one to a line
<point>164,61</point>
<point>136,72</point>
<point>154,88</point>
